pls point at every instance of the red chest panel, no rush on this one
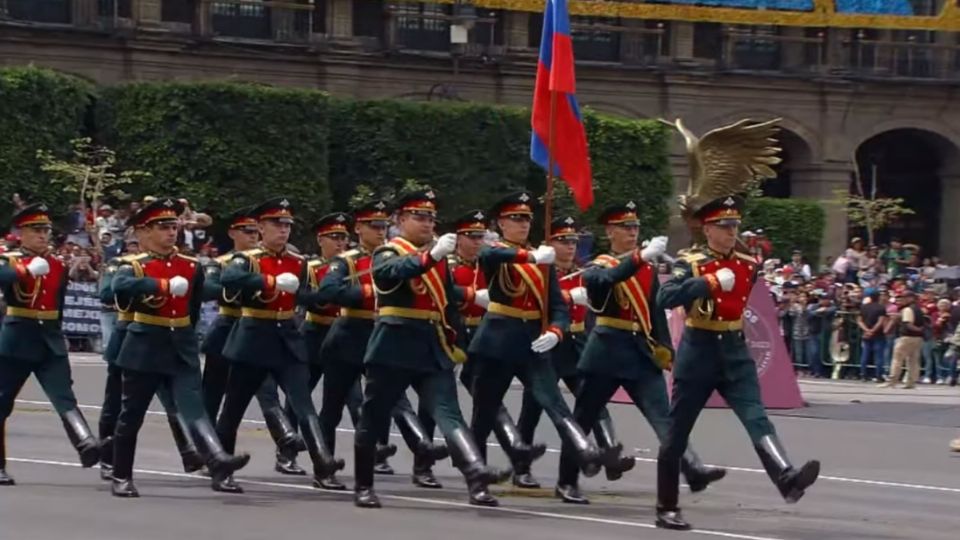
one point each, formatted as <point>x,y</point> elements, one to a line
<point>330,310</point>
<point>578,313</point>
<point>363,263</point>
<point>273,265</point>
<point>48,297</point>
<point>528,300</point>
<point>466,275</point>
<point>729,306</point>
<point>169,268</point>
<point>421,295</point>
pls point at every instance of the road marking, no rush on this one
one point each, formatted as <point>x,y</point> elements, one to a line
<point>861,481</point>
<point>425,500</point>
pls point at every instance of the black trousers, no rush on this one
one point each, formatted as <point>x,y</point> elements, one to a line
<point>352,402</point>
<point>530,409</point>
<point>216,369</point>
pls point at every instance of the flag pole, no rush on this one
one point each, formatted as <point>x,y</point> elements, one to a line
<point>548,212</point>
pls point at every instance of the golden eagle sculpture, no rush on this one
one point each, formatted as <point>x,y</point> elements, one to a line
<point>730,160</point>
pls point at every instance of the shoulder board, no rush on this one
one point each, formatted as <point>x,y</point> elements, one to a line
<point>604,260</point>
<point>250,253</point>
<point>452,260</point>
<point>313,263</point>
<point>693,257</point>
<point>351,254</point>
<point>296,256</point>
<point>132,258</point>
<point>386,247</point>
<point>224,259</point>
<point>187,257</point>
<point>12,254</point>
<point>745,257</point>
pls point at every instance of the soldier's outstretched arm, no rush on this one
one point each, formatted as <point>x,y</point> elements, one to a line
<point>105,288</point>
<point>126,282</point>
<point>559,310</point>
<point>211,281</point>
<point>683,287</point>
<point>491,257</point>
<point>601,277</point>
<point>310,294</point>
<point>239,276</point>
<point>391,268</point>
<point>336,288</point>
<point>11,273</point>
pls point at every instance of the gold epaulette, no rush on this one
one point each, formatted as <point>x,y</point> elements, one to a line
<point>313,263</point>
<point>15,254</point>
<point>132,257</point>
<point>385,247</point>
<point>692,256</point>
<point>189,258</point>
<point>224,259</point>
<point>745,257</point>
<point>296,255</point>
<point>250,253</point>
<point>351,254</point>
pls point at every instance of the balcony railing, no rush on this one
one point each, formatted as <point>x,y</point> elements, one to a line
<point>38,11</point>
<point>285,22</point>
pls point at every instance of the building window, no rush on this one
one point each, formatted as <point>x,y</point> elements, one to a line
<point>181,11</point>
<point>491,33</point>
<point>319,15</point>
<point>246,20</point>
<point>595,39</point>
<point>368,18</point>
<point>707,40</point>
<point>755,48</point>
<point>42,11</point>
<point>109,8</point>
<point>422,26</point>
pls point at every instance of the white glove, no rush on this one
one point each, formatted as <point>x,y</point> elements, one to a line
<point>579,296</point>
<point>544,255</point>
<point>445,245</point>
<point>726,279</point>
<point>179,286</point>
<point>654,249</point>
<point>288,282</point>
<point>545,342</point>
<point>482,298</point>
<point>38,267</point>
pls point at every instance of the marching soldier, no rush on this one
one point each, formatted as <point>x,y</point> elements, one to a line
<point>713,284</point>
<point>332,236</point>
<point>349,284</point>
<point>245,236</point>
<point>269,282</point>
<point>471,229</point>
<point>628,347</point>
<point>414,343</point>
<point>526,318</point>
<point>113,389</point>
<point>160,347</point>
<point>34,283</point>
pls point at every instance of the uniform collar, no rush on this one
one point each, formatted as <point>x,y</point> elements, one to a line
<point>157,255</point>
<point>718,255</point>
<point>567,270</point>
<point>465,261</point>
<point>514,244</point>
<point>32,253</point>
<point>272,253</point>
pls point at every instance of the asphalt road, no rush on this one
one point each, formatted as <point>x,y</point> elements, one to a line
<point>887,474</point>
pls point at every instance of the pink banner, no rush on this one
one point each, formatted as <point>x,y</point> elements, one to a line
<point>778,384</point>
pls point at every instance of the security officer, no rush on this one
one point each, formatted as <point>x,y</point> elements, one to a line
<point>628,347</point>
<point>713,285</point>
<point>526,318</point>
<point>564,238</point>
<point>471,230</point>
<point>34,283</point>
<point>349,284</point>
<point>245,236</point>
<point>160,346</point>
<point>414,343</point>
<point>113,388</point>
<point>332,233</point>
<point>265,341</point>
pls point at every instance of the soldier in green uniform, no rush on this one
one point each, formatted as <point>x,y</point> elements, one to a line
<point>526,318</point>
<point>713,285</point>
<point>628,347</point>
<point>160,347</point>
<point>113,388</point>
<point>34,283</point>
<point>414,343</point>
<point>270,281</point>
<point>245,236</point>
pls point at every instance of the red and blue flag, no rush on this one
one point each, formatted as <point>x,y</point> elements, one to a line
<point>571,157</point>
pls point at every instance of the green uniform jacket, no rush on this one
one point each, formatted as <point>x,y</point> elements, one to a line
<point>314,334</point>
<point>403,342</point>
<point>107,296</point>
<point>261,342</point>
<point>216,336</point>
<point>347,339</point>
<point>152,348</point>
<point>503,337</point>
<point>613,352</point>
<point>29,339</point>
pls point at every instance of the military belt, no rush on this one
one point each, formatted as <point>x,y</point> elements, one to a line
<point>577,327</point>
<point>267,314</point>
<point>124,316</point>
<point>319,319</point>
<point>516,313</point>
<point>619,324</point>
<point>36,314</point>
<point>154,320</point>
<point>227,311</point>
<point>472,321</point>
<point>714,325</point>
<point>409,313</point>
<point>357,313</point>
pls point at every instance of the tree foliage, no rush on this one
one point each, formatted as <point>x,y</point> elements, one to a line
<point>789,224</point>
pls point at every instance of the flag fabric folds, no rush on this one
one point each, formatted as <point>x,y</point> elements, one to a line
<point>555,74</point>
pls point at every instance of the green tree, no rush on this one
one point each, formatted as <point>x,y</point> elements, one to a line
<point>869,211</point>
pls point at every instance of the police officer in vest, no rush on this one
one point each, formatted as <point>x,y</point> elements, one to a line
<point>160,346</point>
<point>713,285</point>
<point>34,282</point>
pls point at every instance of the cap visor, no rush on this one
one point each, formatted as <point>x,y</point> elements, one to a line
<point>725,222</point>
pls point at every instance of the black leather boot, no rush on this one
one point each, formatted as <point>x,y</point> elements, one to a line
<point>469,459</point>
<point>81,437</point>
<point>5,479</point>
<point>330,483</point>
<point>671,519</point>
<point>522,453</point>
<point>591,458</point>
<point>286,438</point>
<point>606,438</point>
<point>106,458</point>
<point>324,463</point>
<point>385,451</point>
<point>382,466</point>
<point>418,439</point>
<point>790,481</point>
<point>570,493</point>
<point>668,492</point>
<point>423,473</point>
<point>124,449</point>
<point>698,475</point>
<point>363,494</point>
<point>189,455</point>
<point>220,464</point>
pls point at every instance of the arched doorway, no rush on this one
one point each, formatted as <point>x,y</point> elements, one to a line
<point>910,164</point>
<point>794,155</point>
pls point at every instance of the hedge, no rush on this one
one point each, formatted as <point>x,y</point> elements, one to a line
<point>789,224</point>
<point>39,110</point>
<point>221,145</point>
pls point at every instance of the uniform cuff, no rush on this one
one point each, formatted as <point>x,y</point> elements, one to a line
<point>22,272</point>
<point>426,261</point>
<point>713,283</point>
<point>469,295</point>
<point>554,329</point>
<point>269,284</point>
<point>566,297</point>
<point>164,286</point>
<point>366,290</point>
<point>636,257</point>
<point>523,256</point>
